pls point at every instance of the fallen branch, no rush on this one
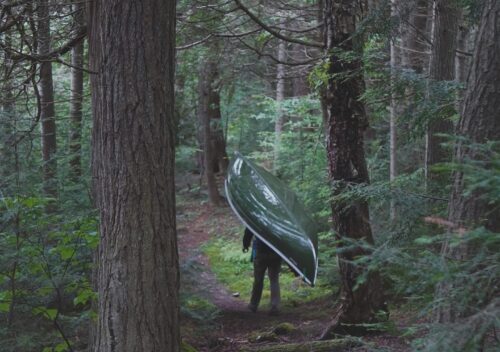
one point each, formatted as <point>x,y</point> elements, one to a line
<point>445,223</point>
<point>337,345</point>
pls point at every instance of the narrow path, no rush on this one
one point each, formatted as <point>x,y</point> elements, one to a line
<point>207,284</point>
<point>235,324</point>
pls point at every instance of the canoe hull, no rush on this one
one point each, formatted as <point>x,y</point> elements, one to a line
<point>274,214</point>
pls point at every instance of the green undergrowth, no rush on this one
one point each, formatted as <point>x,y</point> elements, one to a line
<point>198,308</point>
<point>233,268</point>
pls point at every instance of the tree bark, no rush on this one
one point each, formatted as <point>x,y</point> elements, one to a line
<point>299,82</point>
<point>394,109</point>
<point>441,68</point>
<point>479,123</point>
<point>75,112</point>
<point>220,161</point>
<point>131,47</point>
<point>415,55</point>
<point>465,38</point>
<point>346,159</point>
<point>208,106</point>
<point>7,120</point>
<point>47,113</point>
<point>280,97</point>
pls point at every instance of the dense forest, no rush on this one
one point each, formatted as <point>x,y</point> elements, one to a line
<point>119,120</point>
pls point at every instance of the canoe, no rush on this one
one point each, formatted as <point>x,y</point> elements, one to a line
<point>274,214</point>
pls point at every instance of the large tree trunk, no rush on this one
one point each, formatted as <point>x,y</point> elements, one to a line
<point>441,68</point>
<point>208,109</point>
<point>75,111</point>
<point>346,124</point>
<point>47,113</point>
<point>479,123</point>
<point>280,97</point>
<point>131,47</point>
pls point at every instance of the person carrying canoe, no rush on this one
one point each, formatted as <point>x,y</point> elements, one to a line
<point>263,258</point>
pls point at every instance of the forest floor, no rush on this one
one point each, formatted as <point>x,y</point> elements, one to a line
<point>216,319</point>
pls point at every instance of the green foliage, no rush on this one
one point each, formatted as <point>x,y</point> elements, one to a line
<point>481,174</point>
<point>410,258</point>
<point>185,158</point>
<point>45,291</point>
<point>46,257</point>
<point>198,308</point>
<point>318,78</point>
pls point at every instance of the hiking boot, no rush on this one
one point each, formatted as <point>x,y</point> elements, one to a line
<point>252,308</point>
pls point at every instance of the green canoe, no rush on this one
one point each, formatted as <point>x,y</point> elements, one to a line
<point>274,214</point>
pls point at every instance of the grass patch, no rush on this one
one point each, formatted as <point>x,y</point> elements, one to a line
<point>233,268</point>
<point>198,308</point>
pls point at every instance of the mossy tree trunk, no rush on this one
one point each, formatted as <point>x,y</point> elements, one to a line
<point>360,301</point>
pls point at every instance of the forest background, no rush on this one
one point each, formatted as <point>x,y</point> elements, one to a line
<point>381,115</point>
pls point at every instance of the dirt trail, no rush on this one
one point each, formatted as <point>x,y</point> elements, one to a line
<point>192,234</point>
<point>235,324</point>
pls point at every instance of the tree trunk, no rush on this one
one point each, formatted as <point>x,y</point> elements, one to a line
<point>479,123</point>
<point>75,111</point>
<point>280,97</point>
<point>299,83</point>
<point>47,113</point>
<point>441,68</point>
<point>220,161</point>
<point>345,150</point>
<point>394,110</point>
<point>414,56</point>
<point>462,61</point>
<point>7,121</point>
<point>131,47</point>
<point>206,109</point>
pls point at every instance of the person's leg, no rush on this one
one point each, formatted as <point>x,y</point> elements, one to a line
<point>274,276</point>
<point>259,270</point>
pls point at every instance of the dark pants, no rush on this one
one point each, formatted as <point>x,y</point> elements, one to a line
<point>271,262</point>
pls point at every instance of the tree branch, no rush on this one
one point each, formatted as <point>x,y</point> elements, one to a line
<point>53,55</point>
<point>273,32</point>
<point>189,46</point>
<point>276,60</point>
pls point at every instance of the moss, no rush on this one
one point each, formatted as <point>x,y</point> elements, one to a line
<point>284,329</point>
<point>198,308</point>
<point>185,347</point>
